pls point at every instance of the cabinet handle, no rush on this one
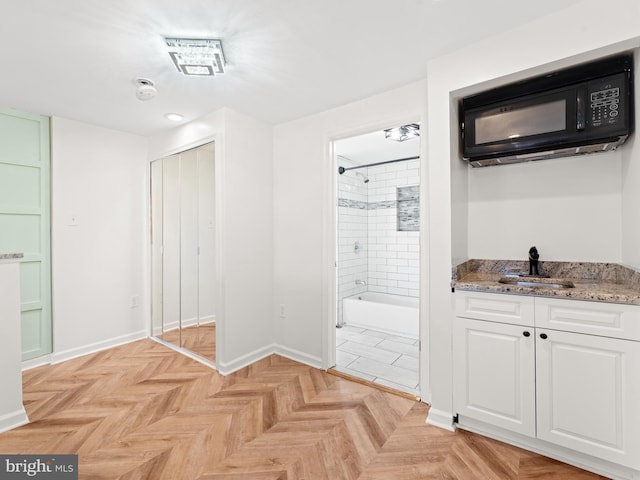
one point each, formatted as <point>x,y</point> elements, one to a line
<point>543,336</point>
<point>526,334</point>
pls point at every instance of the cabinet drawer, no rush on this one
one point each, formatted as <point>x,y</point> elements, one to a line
<point>495,307</point>
<point>595,318</point>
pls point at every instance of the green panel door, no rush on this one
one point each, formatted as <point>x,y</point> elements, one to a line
<point>25,220</point>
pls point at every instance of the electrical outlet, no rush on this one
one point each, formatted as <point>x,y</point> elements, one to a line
<point>134,301</point>
<point>282,310</point>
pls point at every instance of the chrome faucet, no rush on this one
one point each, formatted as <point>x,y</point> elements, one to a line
<point>361,282</point>
<point>533,261</point>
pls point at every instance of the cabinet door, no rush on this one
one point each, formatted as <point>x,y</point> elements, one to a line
<point>588,394</point>
<point>494,374</point>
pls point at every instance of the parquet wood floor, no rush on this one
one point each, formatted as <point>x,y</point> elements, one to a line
<point>144,411</point>
<point>200,339</point>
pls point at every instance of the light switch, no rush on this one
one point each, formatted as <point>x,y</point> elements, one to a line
<point>73,220</point>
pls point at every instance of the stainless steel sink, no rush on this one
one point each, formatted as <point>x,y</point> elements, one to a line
<point>539,282</point>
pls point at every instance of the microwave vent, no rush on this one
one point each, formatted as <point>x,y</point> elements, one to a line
<point>593,148</point>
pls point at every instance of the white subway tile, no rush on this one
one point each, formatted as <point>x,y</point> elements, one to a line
<point>398,262</point>
<point>414,293</point>
<point>396,167</point>
<point>398,291</point>
<point>401,182</point>
<point>378,289</point>
<point>412,164</point>
<point>398,276</point>
<point>399,247</point>
<point>387,240</point>
<point>377,275</point>
<point>387,268</point>
<point>384,176</point>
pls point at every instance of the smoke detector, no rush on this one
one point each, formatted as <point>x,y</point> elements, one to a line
<point>146,89</point>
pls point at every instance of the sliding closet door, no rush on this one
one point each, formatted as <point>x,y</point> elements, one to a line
<point>207,235</point>
<point>171,249</point>
<point>206,257</point>
<point>156,248</point>
<point>189,247</point>
<point>183,250</point>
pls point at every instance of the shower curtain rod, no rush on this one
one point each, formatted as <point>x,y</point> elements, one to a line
<point>341,170</point>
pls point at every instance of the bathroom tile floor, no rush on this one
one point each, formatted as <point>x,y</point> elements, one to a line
<point>379,357</point>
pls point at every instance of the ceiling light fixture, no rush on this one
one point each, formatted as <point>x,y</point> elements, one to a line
<point>402,133</point>
<point>174,117</point>
<point>197,56</point>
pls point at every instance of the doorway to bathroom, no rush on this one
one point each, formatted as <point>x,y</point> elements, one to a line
<point>378,257</point>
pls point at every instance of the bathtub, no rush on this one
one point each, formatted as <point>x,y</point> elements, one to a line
<point>384,312</point>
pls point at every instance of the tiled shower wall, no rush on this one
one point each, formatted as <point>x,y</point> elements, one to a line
<point>352,228</point>
<point>393,255</point>
<point>367,213</point>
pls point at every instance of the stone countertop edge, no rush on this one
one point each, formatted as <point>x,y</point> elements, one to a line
<point>598,282</point>
<point>11,256</point>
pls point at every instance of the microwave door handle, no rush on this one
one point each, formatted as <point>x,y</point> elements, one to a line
<point>581,107</point>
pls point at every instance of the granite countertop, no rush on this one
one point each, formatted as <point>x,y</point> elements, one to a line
<point>10,256</point>
<point>599,282</point>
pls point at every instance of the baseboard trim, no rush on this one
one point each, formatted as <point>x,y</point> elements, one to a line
<point>65,355</point>
<point>562,454</point>
<point>298,356</point>
<point>441,419</point>
<point>227,368</point>
<point>36,362</point>
<point>13,420</point>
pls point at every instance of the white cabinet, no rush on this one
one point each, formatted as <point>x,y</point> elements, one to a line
<point>494,367</point>
<point>536,366</point>
<point>588,394</point>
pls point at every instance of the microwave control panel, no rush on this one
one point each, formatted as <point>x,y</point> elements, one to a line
<point>605,97</point>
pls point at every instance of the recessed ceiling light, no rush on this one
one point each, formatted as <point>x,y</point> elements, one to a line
<point>403,132</point>
<point>197,56</point>
<point>174,117</point>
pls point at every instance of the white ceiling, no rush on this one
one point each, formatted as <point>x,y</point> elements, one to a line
<point>373,147</point>
<point>78,59</point>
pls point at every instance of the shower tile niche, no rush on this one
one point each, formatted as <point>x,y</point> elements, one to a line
<point>408,208</point>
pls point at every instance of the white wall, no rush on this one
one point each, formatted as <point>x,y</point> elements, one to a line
<point>244,229</point>
<point>99,176</point>
<point>304,213</point>
<point>480,66</point>
<point>569,208</point>
<point>631,188</point>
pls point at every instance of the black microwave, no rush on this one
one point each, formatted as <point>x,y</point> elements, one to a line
<point>582,109</point>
